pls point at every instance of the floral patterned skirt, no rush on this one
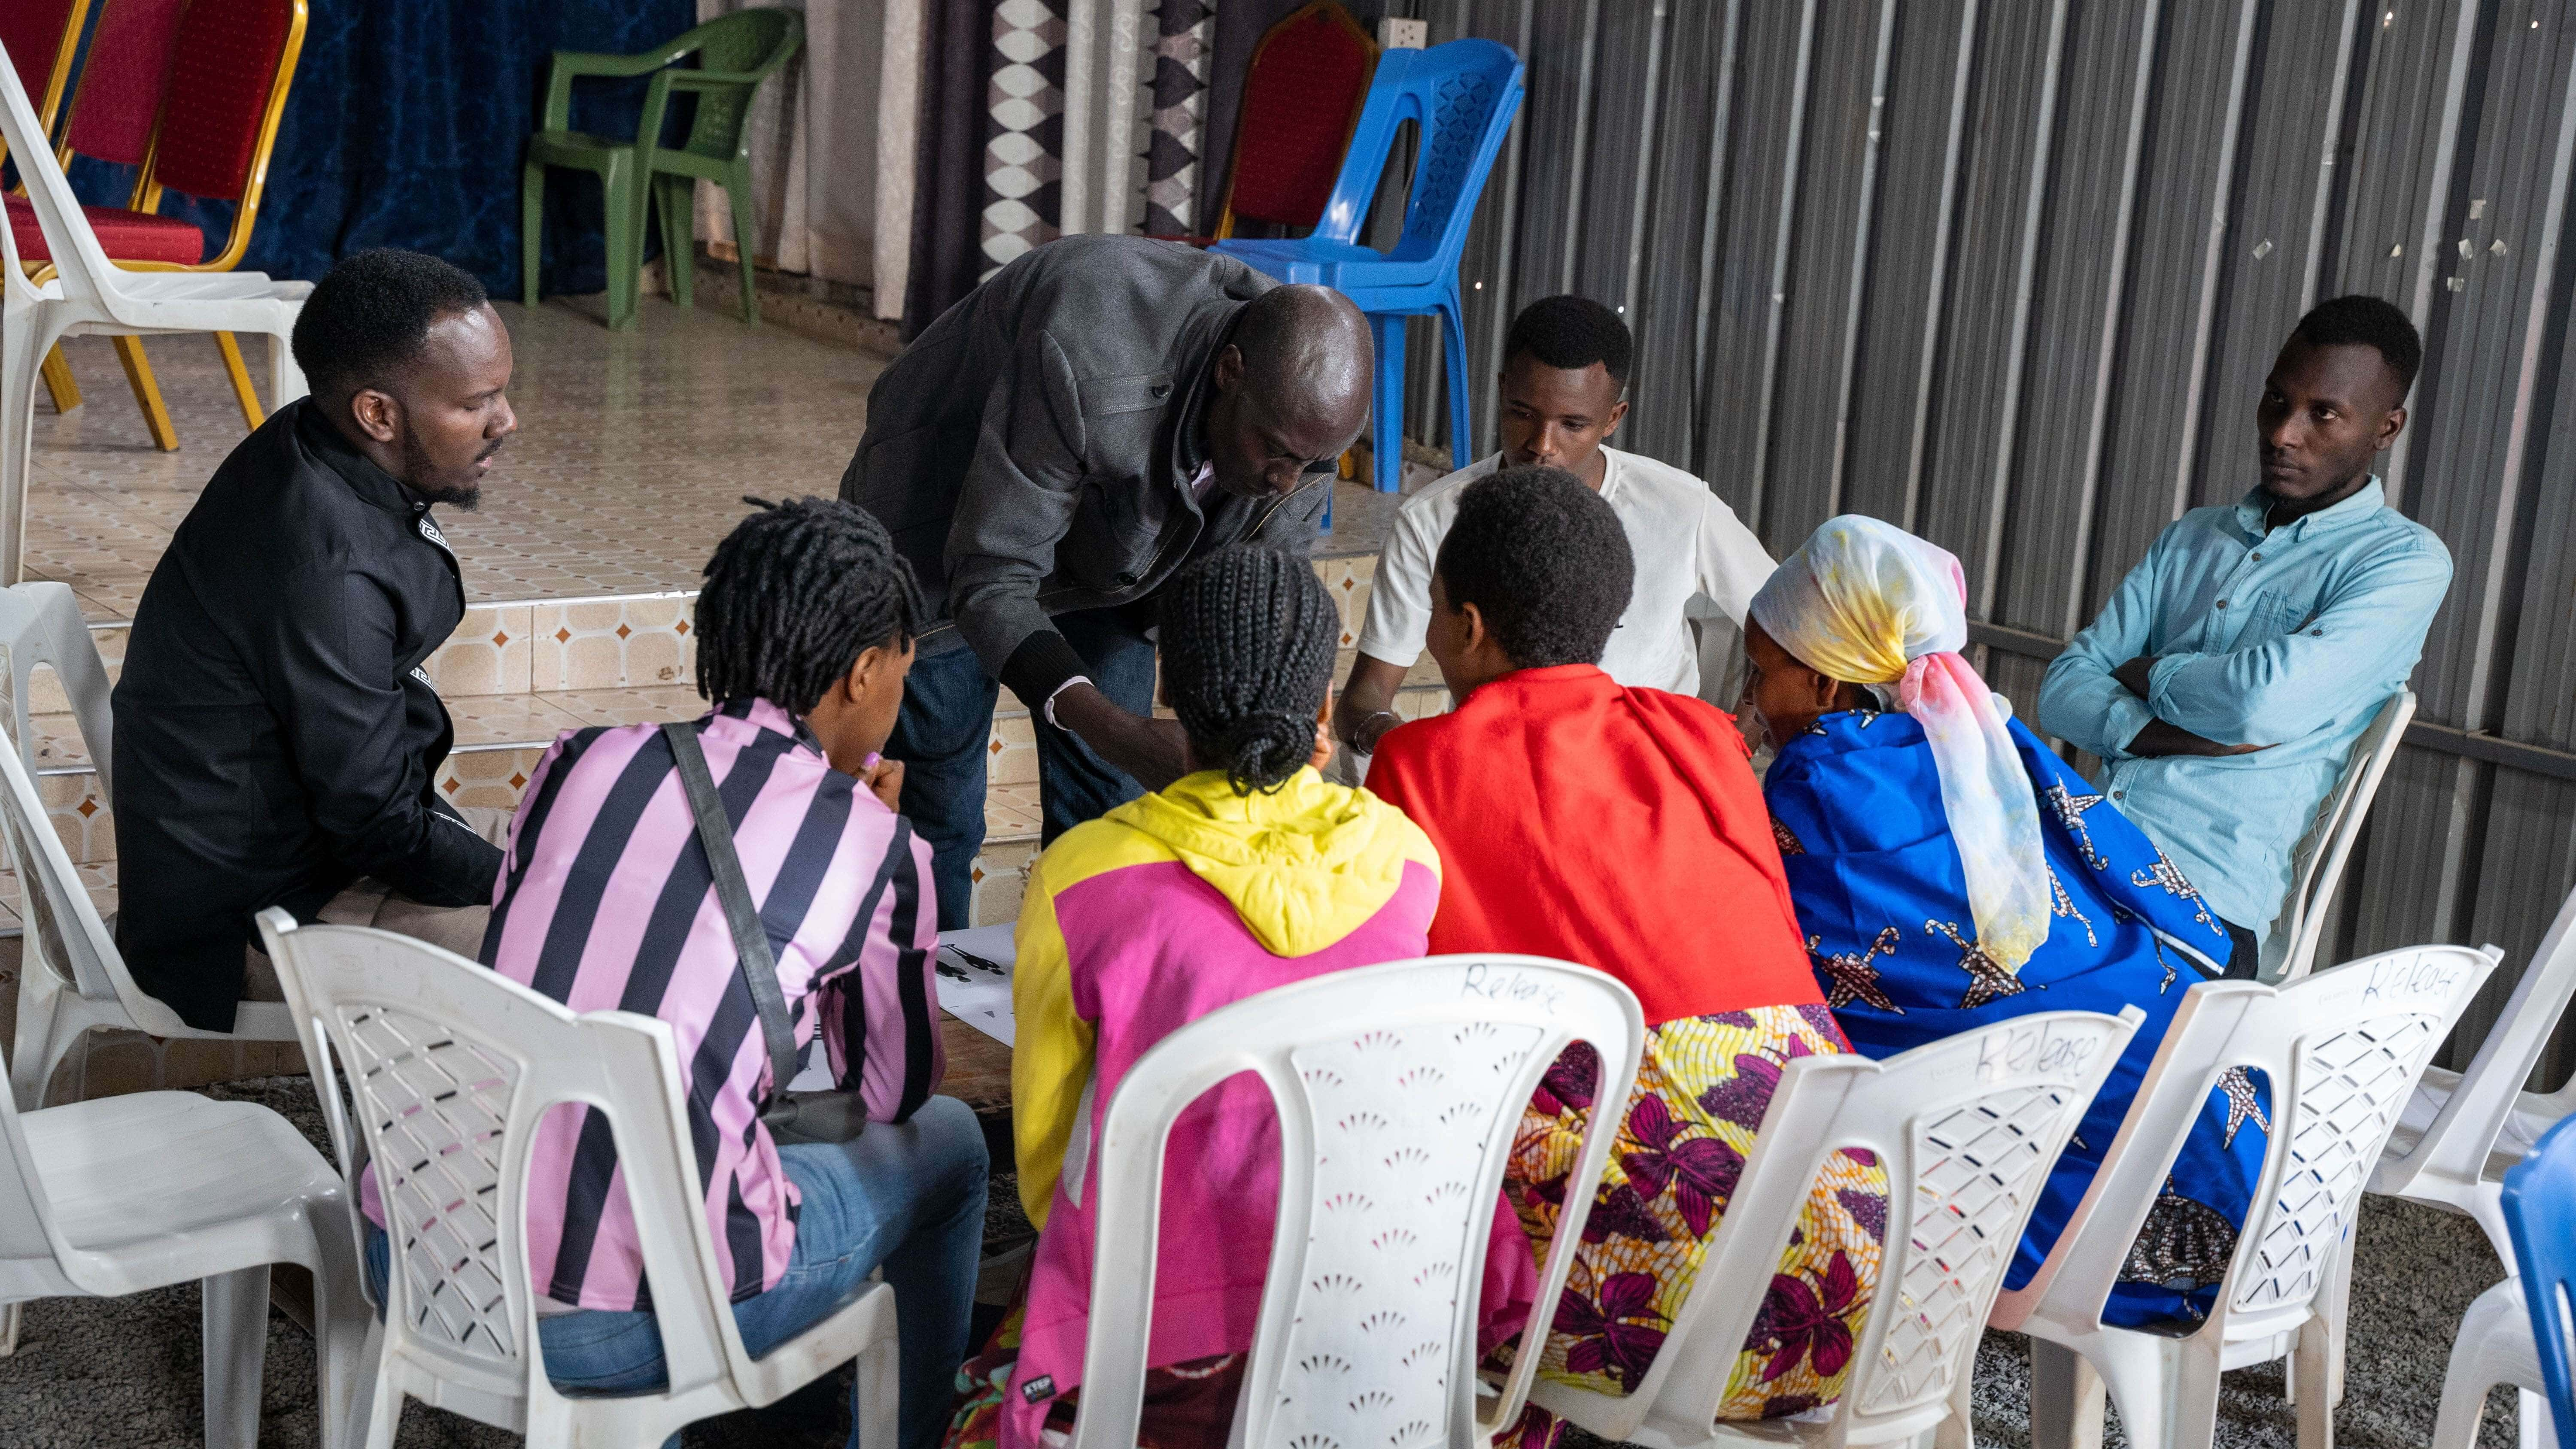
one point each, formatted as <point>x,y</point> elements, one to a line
<point>1702,1088</point>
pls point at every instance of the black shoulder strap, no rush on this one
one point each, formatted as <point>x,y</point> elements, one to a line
<point>750,939</point>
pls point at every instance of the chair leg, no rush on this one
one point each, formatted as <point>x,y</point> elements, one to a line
<point>625,230</point>
<point>9,1329</point>
<point>746,238</point>
<point>285,378</point>
<point>1453,348</point>
<point>2312,1375</point>
<point>22,351</point>
<point>236,1313</point>
<point>60,385</point>
<point>345,1343</point>
<point>1386,438</point>
<point>878,1424</point>
<point>676,196</point>
<point>1959,1431</point>
<point>147,393</point>
<point>532,229</point>
<point>243,392</point>
<point>2066,1398</point>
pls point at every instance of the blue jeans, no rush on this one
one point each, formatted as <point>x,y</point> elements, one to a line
<point>909,1199</point>
<point>947,719</point>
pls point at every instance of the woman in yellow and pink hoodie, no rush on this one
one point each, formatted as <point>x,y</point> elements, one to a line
<point>1249,873</point>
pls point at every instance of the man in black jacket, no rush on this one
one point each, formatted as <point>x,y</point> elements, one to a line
<point>1047,454</point>
<point>276,740</point>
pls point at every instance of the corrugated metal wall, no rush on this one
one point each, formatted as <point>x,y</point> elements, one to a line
<point>2010,272</point>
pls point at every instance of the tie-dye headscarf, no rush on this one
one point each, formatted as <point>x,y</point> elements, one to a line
<point>1866,602</point>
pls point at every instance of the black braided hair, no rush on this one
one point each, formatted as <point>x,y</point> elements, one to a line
<point>1247,639</point>
<point>794,595</point>
<point>1544,559</point>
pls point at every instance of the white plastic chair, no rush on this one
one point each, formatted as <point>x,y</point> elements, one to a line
<point>450,1068</point>
<point>2494,1346</point>
<point>1968,1128</point>
<point>2341,1051</point>
<point>1399,1089</point>
<point>2460,1131</point>
<point>72,979</point>
<point>41,623</point>
<point>116,1196</point>
<point>89,294</point>
<point>2290,947</point>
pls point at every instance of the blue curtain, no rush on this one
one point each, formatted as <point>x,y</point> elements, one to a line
<point>407,125</point>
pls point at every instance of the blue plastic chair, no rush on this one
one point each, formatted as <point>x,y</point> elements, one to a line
<point>1462,96</point>
<point>2540,1213</point>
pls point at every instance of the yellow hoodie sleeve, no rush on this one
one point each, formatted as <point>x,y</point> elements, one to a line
<point>1051,1054</point>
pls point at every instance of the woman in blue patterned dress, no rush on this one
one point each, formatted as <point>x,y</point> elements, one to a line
<point>1949,872</point>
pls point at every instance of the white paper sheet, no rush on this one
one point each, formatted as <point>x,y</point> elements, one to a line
<point>982,999</point>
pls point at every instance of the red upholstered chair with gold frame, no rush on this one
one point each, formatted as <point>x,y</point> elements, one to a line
<point>191,91</point>
<point>42,38</point>
<point>1302,93</point>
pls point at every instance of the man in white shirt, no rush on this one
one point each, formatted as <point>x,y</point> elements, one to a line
<point>1565,366</point>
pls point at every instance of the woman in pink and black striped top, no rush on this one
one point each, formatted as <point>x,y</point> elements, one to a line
<point>606,902</point>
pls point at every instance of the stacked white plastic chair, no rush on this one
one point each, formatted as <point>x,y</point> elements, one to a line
<point>449,1069</point>
<point>2462,1130</point>
<point>2494,1346</point>
<point>116,1196</point>
<point>89,294</point>
<point>1398,1088</point>
<point>2290,947</point>
<point>1968,1129</point>
<point>72,979</point>
<point>2341,1051</point>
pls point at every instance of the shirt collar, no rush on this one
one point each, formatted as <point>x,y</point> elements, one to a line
<point>2256,506</point>
<point>743,717</point>
<point>372,484</point>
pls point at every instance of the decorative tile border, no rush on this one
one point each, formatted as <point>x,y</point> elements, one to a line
<point>491,652</point>
<point>1001,878</point>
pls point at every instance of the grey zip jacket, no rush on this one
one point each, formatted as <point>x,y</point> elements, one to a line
<point>1032,451</point>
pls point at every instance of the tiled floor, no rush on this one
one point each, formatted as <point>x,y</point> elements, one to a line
<point>633,455</point>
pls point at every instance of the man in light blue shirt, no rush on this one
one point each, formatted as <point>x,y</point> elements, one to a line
<point>2227,679</point>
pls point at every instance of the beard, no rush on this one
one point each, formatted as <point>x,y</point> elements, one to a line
<point>421,475</point>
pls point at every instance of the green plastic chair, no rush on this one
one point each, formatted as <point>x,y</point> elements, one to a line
<point>735,54</point>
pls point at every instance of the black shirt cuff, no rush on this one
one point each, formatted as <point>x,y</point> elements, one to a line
<point>1040,666</point>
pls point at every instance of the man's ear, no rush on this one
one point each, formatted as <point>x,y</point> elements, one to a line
<point>1229,367</point>
<point>1618,411</point>
<point>2391,425</point>
<point>376,414</point>
<point>1477,637</point>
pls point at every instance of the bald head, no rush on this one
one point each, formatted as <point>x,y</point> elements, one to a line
<point>1293,385</point>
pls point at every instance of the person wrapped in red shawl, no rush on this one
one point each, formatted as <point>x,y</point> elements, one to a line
<point>1623,829</point>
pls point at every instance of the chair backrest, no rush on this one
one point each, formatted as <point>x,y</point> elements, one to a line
<point>2290,947</point>
<point>2540,1213</point>
<point>2454,1149</point>
<point>1968,1128</point>
<point>1301,96</point>
<point>1399,1089</point>
<point>121,84</point>
<point>40,623</point>
<point>81,268</point>
<point>747,42</point>
<point>227,90</point>
<point>65,937</point>
<point>449,1069</point>
<point>42,37</point>
<point>1461,96</point>
<point>2340,1051</point>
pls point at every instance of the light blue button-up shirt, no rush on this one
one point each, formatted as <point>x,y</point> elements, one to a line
<point>2290,637</point>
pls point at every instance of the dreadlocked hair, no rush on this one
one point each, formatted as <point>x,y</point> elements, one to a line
<point>1247,639</point>
<point>794,595</point>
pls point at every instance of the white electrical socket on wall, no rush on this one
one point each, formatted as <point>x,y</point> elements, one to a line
<point>1403,34</point>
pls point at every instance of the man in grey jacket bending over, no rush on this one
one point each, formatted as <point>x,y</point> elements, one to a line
<point>1049,452</point>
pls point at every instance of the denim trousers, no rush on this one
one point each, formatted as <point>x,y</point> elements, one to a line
<point>942,733</point>
<point>907,1199</point>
